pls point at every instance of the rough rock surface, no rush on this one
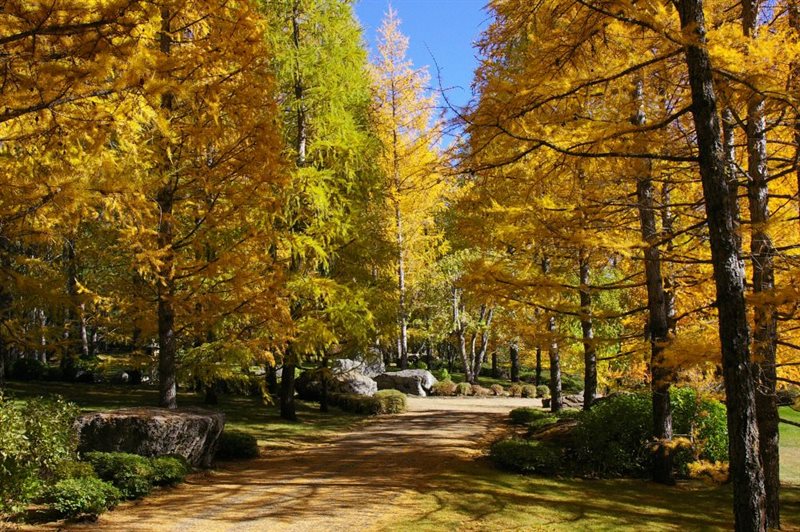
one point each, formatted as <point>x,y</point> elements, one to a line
<point>411,381</point>
<point>370,367</point>
<point>190,433</point>
<point>309,385</point>
<point>567,401</point>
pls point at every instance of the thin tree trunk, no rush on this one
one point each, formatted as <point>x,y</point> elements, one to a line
<point>555,367</point>
<point>657,307</point>
<point>271,375</point>
<point>745,462</point>
<point>765,322</point>
<point>494,364</point>
<point>287,403</point>
<point>167,345</point>
<point>587,329</point>
<point>513,355</point>
<point>459,327</point>
<point>553,355</point>
<point>486,321</point>
<point>538,374</point>
<point>667,228</point>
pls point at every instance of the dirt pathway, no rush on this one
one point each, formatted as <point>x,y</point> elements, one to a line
<point>352,482</point>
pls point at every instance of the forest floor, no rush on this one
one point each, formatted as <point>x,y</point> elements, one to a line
<point>423,470</point>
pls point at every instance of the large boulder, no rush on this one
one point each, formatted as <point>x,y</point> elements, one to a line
<point>371,367</point>
<point>190,433</point>
<point>567,401</point>
<point>411,381</point>
<point>309,384</point>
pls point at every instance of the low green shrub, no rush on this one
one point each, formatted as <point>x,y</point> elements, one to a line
<point>444,387</point>
<point>392,401</point>
<point>421,365</point>
<point>526,456</point>
<point>28,369</point>
<point>82,497</point>
<point>526,414</point>
<point>529,391</point>
<point>444,375</point>
<point>236,445</point>
<point>74,470</point>
<point>542,422</point>
<point>571,383</point>
<point>36,439</point>
<point>463,388</point>
<point>357,404</point>
<point>515,390</point>
<point>614,437</point>
<point>543,391</point>
<point>132,474</point>
<point>497,389</point>
<point>169,470</point>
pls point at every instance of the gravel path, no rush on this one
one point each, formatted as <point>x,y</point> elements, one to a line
<point>351,482</point>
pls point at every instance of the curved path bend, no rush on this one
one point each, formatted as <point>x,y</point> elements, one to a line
<point>353,481</point>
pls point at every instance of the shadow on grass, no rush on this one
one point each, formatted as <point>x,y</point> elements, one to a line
<point>418,468</point>
<point>248,414</point>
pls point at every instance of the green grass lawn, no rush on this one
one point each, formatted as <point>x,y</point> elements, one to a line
<point>248,414</point>
<point>479,497</point>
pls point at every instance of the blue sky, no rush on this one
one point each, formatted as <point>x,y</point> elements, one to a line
<point>445,29</point>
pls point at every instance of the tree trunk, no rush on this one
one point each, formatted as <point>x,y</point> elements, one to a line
<point>657,308</point>
<point>745,462</point>
<point>513,354</point>
<point>494,364</point>
<point>765,322</point>
<point>325,381</point>
<point>486,321</point>
<point>288,410</point>
<point>271,376</point>
<point>555,367</point>
<point>538,374</point>
<point>459,326</point>
<point>167,345</point>
<point>553,355</point>
<point>587,329</point>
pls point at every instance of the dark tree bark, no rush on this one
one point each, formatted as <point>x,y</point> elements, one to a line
<point>167,344</point>
<point>513,355</point>
<point>287,403</point>
<point>494,364</point>
<point>587,329</point>
<point>325,380</point>
<point>765,320</point>
<point>271,375</point>
<point>745,463</point>
<point>657,308</point>
<point>553,355</point>
<point>555,367</point>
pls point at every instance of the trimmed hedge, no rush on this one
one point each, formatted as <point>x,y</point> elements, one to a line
<point>169,470</point>
<point>383,402</point>
<point>392,401</point>
<point>236,445</point>
<point>444,387</point>
<point>82,497</point>
<point>132,474</point>
<point>463,388</point>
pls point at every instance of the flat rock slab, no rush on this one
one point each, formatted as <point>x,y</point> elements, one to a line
<point>190,433</point>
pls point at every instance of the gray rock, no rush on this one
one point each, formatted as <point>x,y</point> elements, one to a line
<point>411,381</point>
<point>190,433</point>
<point>309,384</point>
<point>371,367</point>
<point>567,401</point>
<point>355,383</point>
